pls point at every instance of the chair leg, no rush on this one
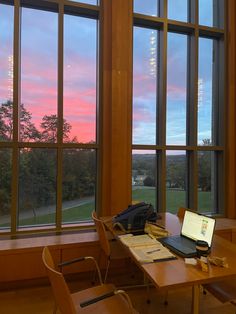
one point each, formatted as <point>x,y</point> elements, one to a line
<point>146,283</point>
<point>107,268</point>
<point>166,298</point>
<point>95,270</point>
<point>55,308</point>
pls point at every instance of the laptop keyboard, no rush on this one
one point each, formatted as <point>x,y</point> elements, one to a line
<point>181,243</point>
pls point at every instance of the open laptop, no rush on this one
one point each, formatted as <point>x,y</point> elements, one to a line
<point>195,227</point>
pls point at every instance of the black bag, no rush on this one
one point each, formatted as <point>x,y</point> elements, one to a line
<point>134,217</point>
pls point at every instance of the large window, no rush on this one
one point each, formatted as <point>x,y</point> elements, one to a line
<point>48,113</point>
<point>178,104</point>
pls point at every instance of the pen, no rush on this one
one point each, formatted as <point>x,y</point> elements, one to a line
<point>150,252</point>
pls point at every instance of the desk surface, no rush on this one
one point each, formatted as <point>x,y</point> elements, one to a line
<point>175,273</point>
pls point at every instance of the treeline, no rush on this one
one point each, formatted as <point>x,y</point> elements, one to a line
<point>37,178</point>
<point>145,164</point>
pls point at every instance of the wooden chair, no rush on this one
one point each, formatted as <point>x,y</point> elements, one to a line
<point>103,298</point>
<point>107,247</point>
<point>115,252</point>
<point>224,291</point>
<point>181,212</point>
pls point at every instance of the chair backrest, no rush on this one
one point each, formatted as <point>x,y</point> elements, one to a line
<point>104,242</point>
<point>181,212</point>
<point>60,289</point>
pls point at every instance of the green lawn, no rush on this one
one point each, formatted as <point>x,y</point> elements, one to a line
<point>175,199</point>
<point>73,214</point>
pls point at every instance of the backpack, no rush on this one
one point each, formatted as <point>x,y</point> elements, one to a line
<point>134,217</point>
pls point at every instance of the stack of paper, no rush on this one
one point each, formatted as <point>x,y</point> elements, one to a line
<point>130,240</point>
<point>146,249</point>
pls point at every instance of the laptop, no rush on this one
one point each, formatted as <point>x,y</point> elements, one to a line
<point>195,227</point>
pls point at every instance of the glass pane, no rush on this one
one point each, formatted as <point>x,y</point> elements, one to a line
<point>177,10</point>
<point>5,186</point>
<point>80,43</point>
<point>205,89</point>
<point>6,73</point>
<point>206,12</point>
<point>175,180</point>
<point>150,7</point>
<point>211,12</point>
<point>79,183</point>
<point>144,176</point>
<point>37,186</point>
<point>94,2</point>
<point>176,89</point>
<point>205,181</point>
<point>38,112</point>
<point>144,86</point>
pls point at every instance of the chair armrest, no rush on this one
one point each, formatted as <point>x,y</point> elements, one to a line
<point>108,295</point>
<point>97,299</point>
<point>83,258</point>
<point>76,260</point>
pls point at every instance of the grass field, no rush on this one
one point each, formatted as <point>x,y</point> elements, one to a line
<point>174,199</point>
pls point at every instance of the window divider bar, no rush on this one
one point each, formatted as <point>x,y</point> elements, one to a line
<point>60,93</point>
<point>16,105</point>
<point>161,118</point>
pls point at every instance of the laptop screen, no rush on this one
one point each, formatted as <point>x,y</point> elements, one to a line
<point>198,227</point>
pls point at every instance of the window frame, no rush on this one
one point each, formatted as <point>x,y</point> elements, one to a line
<point>194,31</point>
<point>61,7</point>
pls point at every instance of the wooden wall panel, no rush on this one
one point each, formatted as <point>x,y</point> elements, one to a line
<point>230,188</point>
<point>24,265</point>
<point>116,105</point>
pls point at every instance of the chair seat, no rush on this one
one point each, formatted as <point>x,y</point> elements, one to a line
<point>224,291</point>
<point>115,304</point>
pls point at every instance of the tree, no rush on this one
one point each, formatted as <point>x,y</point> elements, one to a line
<point>6,121</point>
<point>49,126</point>
<point>27,129</point>
<point>5,181</point>
<point>149,181</point>
<point>204,167</point>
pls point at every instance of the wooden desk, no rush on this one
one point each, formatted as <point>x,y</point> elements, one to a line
<point>175,273</point>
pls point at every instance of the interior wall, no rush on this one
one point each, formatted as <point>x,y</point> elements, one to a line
<point>230,122</point>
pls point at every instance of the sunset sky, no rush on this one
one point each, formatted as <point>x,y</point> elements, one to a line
<point>39,71</point>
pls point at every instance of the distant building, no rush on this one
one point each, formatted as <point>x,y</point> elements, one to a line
<point>139,179</point>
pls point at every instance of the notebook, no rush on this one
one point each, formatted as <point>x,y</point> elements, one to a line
<point>195,227</point>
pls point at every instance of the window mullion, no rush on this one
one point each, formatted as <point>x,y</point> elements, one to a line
<point>16,105</point>
<point>161,115</point>
<point>60,116</point>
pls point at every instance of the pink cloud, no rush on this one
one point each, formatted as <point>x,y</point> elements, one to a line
<point>176,92</point>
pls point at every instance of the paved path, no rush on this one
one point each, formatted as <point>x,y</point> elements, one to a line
<point>45,210</point>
